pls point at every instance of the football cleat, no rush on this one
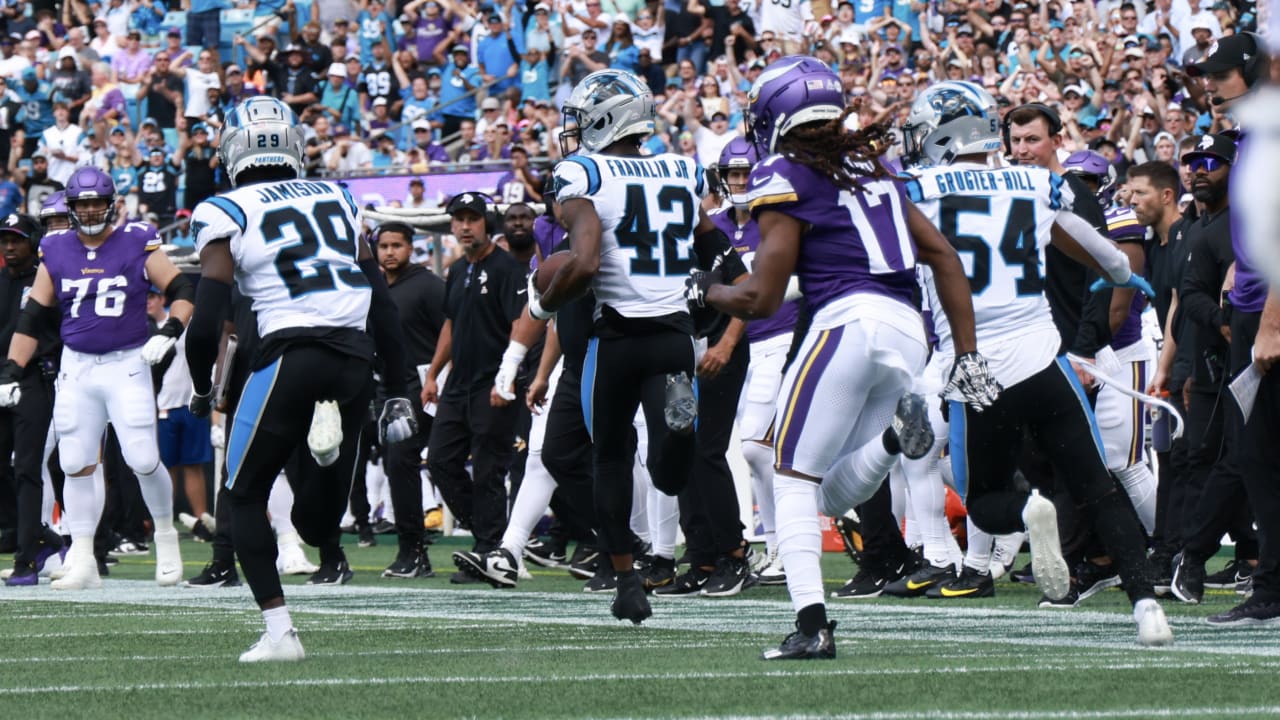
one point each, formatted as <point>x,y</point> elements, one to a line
<point>497,567</point>
<point>850,528</point>
<point>545,554</point>
<point>869,582</point>
<point>290,557</point>
<point>731,576</point>
<point>1153,626</point>
<point>630,601</point>
<point>773,573</point>
<point>798,646</point>
<point>911,426</point>
<point>656,571</point>
<point>168,557</point>
<point>1092,579</point>
<point>325,437</point>
<point>687,584</point>
<point>1188,579</point>
<point>1051,572</point>
<point>411,562</point>
<point>287,649</point>
<point>24,575</point>
<point>336,573</point>
<point>918,583</point>
<point>970,583</point>
<point>1228,577</point>
<point>130,548</point>
<point>215,575</point>
<point>81,574</point>
<point>1004,553</point>
<point>1253,611</point>
<point>583,563</point>
<point>605,580</point>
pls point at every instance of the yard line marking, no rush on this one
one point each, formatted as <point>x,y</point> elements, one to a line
<point>1009,714</point>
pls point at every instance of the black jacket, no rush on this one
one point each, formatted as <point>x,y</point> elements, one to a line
<point>419,296</point>
<point>1208,244</point>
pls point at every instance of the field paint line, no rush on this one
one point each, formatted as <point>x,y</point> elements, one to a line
<point>1035,628</point>
<point>541,679</point>
<point>1266,711</point>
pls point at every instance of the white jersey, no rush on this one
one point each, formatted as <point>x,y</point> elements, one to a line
<point>648,208</point>
<point>294,246</point>
<point>999,220</point>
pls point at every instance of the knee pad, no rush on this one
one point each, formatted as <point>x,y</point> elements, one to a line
<point>139,449</point>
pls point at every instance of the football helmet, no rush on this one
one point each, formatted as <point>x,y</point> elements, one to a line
<point>53,212</point>
<point>605,107</point>
<point>1092,167</point>
<point>90,183</point>
<point>737,155</point>
<point>950,119</point>
<point>261,132</point>
<point>793,91</point>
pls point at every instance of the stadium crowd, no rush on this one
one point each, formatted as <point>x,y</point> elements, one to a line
<point>1134,101</point>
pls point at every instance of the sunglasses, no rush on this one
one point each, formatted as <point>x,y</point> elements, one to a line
<point>1205,163</point>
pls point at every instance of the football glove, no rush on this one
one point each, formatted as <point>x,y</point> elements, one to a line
<point>504,382</point>
<point>397,423</point>
<point>217,436</point>
<point>1135,281</point>
<point>10,392</point>
<point>971,378</point>
<point>535,301</point>
<point>162,342</point>
<point>201,405</point>
<point>696,285</point>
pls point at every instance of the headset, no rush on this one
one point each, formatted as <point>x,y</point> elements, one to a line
<point>490,220</point>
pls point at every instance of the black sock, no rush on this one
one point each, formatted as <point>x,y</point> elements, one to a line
<point>812,618</point>
<point>890,440</point>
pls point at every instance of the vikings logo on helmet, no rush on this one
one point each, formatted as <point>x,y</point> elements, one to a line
<point>793,91</point>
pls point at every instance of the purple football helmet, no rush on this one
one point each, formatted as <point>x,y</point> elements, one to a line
<point>90,183</point>
<point>793,91</point>
<point>1092,167</point>
<point>53,212</point>
<point>737,155</point>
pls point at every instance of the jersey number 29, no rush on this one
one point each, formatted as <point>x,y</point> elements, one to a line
<point>291,259</point>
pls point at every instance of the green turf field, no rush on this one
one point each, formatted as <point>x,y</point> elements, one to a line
<point>422,648</point>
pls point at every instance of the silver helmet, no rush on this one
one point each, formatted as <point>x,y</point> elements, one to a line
<point>605,107</point>
<point>261,132</point>
<point>950,119</point>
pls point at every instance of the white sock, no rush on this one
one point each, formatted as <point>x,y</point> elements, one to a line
<point>1140,484</point>
<point>278,622</point>
<point>640,484</point>
<point>157,493</point>
<point>927,498</point>
<point>529,506</point>
<point>854,478</point>
<point>84,495</point>
<point>664,522</point>
<point>799,539</point>
<point>760,459</point>
<point>979,555</point>
<point>280,506</point>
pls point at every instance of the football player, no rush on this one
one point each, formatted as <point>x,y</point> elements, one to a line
<point>293,247</point>
<point>830,213</point>
<point>94,280</point>
<point>1004,217</point>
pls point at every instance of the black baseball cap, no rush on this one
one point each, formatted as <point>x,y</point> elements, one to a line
<point>475,202</point>
<point>21,224</point>
<point>1216,146</point>
<point>1227,52</point>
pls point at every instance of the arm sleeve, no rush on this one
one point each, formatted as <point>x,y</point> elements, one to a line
<point>388,336</point>
<point>1112,260</point>
<point>213,305</point>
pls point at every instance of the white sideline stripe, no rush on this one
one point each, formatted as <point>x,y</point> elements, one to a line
<point>1009,714</point>
<point>1083,630</point>
<point>596,677</point>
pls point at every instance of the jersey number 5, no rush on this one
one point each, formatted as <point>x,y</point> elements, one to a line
<point>634,231</point>
<point>299,267</point>
<point>1017,242</point>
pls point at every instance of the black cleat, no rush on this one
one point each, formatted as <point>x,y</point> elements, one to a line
<point>656,571</point>
<point>496,567</point>
<point>630,602</point>
<point>1254,611</point>
<point>545,554</point>
<point>583,563</point>
<point>970,584</point>
<point>850,529</point>
<point>1092,579</point>
<point>215,575</point>
<point>731,576</point>
<point>1228,577</point>
<point>798,646</point>
<point>1188,579</point>
<point>365,537</point>
<point>605,580</point>
<point>331,573</point>
<point>410,563</point>
<point>918,583</point>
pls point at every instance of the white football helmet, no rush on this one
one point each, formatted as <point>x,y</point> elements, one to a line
<point>605,107</point>
<point>950,119</point>
<point>261,132</point>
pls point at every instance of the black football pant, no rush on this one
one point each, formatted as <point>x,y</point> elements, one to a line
<point>30,428</point>
<point>986,446</point>
<point>402,463</point>
<point>367,451</point>
<point>1215,499</point>
<point>466,426</point>
<point>709,512</point>
<point>620,375</point>
<point>567,453</point>
<point>272,421</point>
<point>883,547</point>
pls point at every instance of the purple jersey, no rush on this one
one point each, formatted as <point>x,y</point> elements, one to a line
<point>746,240</point>
<point>1123,227</point>
<point>548,233</point>
<point>1250,291</point>
<point>103,290</point>
<point>855,242</point>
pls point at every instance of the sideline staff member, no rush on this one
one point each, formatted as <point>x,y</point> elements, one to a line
<point>484,304</point>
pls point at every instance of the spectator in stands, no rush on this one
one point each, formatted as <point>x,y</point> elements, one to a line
<point>521,183</point>
<point>348,154</point>
<point>497,57</point>
<point>318,55</point>
<point>103,43</point>
<point>36,112</point>
<point>460,78</point>
<point>263,67</point>
<point>497,142</point>
<point>581,15</point>
<point>296,83</point>
<point>430,24</point>
<point>419,102</point>
<point>318,145</point>
<point>543,34</point>
<point>162,90</point>
<point>534,76</point>
<point>158,184</point>
<point>204,23</point>
<point>466,147</point>
<point>178,55</point>
<point>379,80</point>
<point>417,196</point>
<point>198,81</point>
<point>70,81</point>
<point>199,165</point>
<point>375,24</point>
<point>60,143</point>
<point>338,100</point>
<point>130,65</point>
<point>579,61</point>
<point>79,43</point>
<point>432,151</point>
<point>181,236</point>
<point>622,51</point>
<point>380,121</point>
<point>10,194</point>
<point>385,154</point>
<point>37,184</point>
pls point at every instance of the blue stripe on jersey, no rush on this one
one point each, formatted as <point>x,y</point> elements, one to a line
<point>959,449</point>
<point>1071,376</point>
<point>253,401</point>
<point>1055,190</point>
<point>351,202</point>
<point>593,172</point>
<point>914,192</point>
<point>699,173</point>
<point>232,210</point>
<point>588,389</point>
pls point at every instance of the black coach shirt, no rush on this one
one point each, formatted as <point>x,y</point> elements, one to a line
<point>1083,322</point>
<point>1209,256</point>
<point>13,290</point>
<point>483,300</point>
<point>419,296</point>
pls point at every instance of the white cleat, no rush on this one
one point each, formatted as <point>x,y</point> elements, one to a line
<point>288,649</point>
<point>522,572</point>
<point>80,574</point>
<point>1004,553</point>
<point>1153,626</point>
<point>290,557</point>
<point>774,573</point>
<point>325,436</point>
<point>1052,574</point>
<point>188,521</point>
<point>168,558</point>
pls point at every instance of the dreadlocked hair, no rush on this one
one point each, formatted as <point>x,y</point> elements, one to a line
<point>832,150</point>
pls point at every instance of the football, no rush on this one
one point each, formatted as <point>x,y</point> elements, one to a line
<point>548,268</point>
